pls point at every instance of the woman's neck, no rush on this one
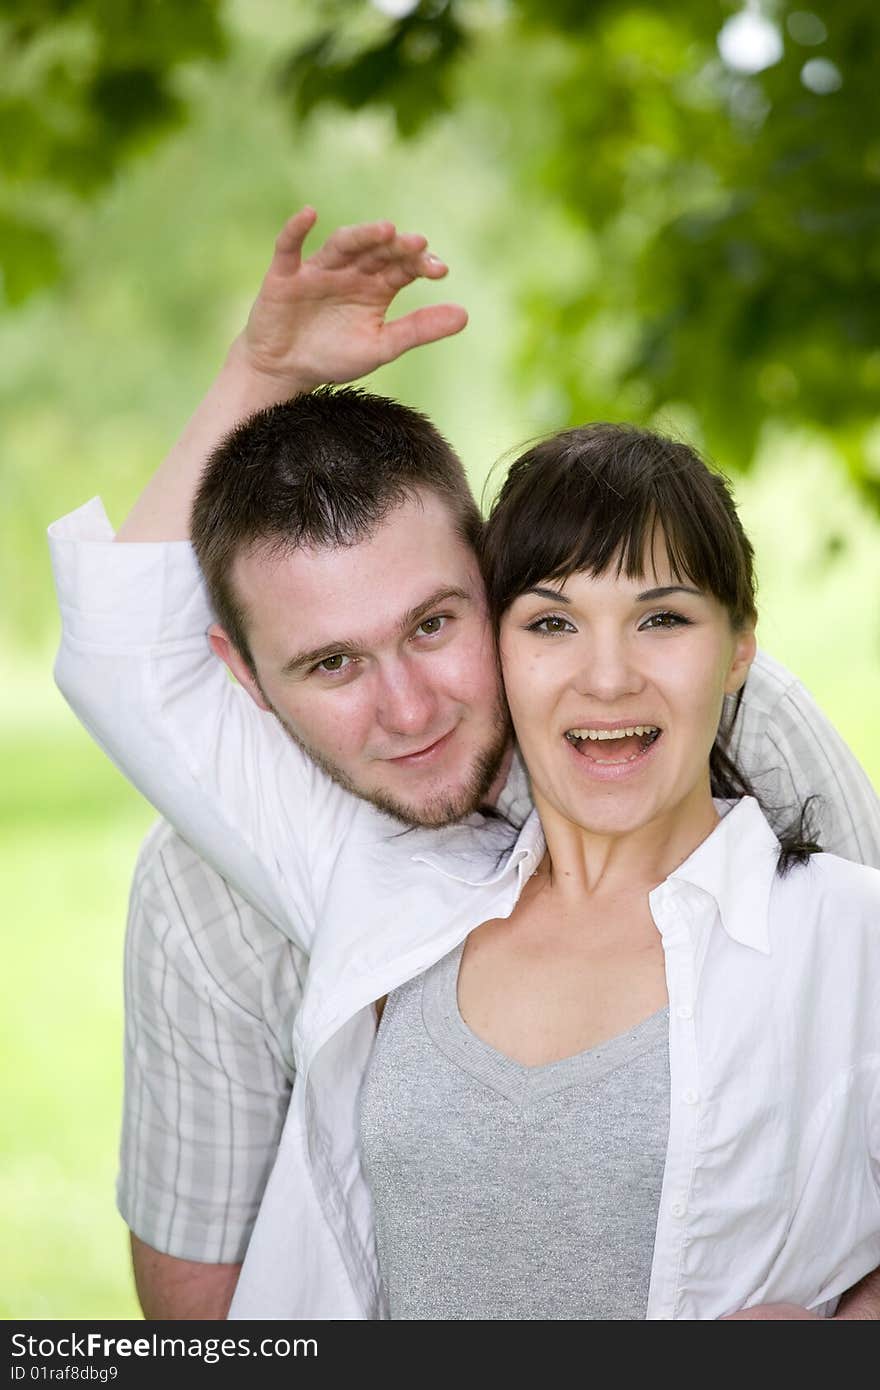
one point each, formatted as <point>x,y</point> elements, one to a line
<point>598,863</point>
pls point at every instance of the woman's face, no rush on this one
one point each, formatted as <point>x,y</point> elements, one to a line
<point>616,686</point>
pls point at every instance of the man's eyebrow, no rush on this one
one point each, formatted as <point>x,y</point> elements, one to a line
<point>415,615</point>
<point>305,660</point>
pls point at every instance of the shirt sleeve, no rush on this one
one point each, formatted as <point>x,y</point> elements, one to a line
<point>135,665</point>
<point>211,993</point>
<point>791,752</point>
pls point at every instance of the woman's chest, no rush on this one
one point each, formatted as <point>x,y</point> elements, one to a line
<point>550,988</point>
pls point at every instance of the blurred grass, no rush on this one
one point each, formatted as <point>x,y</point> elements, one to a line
<point>70,826</point>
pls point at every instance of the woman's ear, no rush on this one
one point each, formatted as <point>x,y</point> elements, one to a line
<point>222,646</point>
<point>745,647</point>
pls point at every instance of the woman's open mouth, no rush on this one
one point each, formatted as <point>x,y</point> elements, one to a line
<point>612,747</point>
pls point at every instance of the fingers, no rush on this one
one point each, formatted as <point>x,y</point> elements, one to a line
<point>375,247</point>
<point>422,326</point>
<point>289,241</point>
<point>348,244</point>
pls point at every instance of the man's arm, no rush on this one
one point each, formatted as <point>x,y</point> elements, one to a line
<point>134,661</point>
<point>791,752</point>
<point>211,995</point>
<point>314,321</point>
<point>171,1290</point>
<point>861,1303</point>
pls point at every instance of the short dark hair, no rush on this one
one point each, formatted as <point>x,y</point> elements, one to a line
<point>324,468</point>
<point>596,497</point>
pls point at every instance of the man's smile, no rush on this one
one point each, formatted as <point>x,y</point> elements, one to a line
<point>421,756</point>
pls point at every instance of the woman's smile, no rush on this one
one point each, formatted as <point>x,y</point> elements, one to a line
<point>609,752</point>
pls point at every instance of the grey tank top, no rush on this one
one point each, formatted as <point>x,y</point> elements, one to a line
<point>506,1191</point>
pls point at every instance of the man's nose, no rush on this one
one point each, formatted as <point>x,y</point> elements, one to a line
<point>407,700</point>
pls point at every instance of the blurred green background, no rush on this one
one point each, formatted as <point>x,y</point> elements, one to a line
<point>664,216</point>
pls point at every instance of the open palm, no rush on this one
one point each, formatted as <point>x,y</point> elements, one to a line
<point>322,319</point>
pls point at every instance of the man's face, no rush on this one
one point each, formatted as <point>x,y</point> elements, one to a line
<point>378,659</point>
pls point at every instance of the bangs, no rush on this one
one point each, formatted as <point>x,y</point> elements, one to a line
<point>603,498</point>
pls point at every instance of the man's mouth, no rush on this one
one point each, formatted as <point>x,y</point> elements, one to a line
<point>613,746</point>
<point>425,753</point>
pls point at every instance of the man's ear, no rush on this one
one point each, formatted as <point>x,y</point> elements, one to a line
<point>743,656</point>
<point>222,646</point>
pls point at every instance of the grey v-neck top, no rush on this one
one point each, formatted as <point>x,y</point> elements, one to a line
<point>507,1191</point>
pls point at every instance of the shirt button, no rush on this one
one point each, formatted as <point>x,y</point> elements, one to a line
<point>684,1011</point>
<point>689,1097</point>
<point>678,1208</point>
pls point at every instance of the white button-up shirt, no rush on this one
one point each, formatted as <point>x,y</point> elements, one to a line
<point>771,1188</point>
<point>771,1183</point>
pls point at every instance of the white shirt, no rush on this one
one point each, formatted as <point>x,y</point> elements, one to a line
<point>135,664</point>
<point>771,1188</point>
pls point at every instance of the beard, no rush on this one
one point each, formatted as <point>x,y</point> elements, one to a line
<point>444,807</point>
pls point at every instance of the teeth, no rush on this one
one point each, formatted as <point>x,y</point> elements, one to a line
<point>598,735</point>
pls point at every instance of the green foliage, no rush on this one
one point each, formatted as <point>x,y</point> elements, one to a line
<point>733,216</point>
<point>407,68</point>
<point>87,84</point>
<point>729,218</point>
<point>29,257</point>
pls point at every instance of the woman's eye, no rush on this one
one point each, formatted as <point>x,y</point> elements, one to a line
<point>664,620</point>
<point>333,664</point>
<point>551,626</point>
<point>429,627</point>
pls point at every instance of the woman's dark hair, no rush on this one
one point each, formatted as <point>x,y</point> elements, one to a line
<point>601,497</point>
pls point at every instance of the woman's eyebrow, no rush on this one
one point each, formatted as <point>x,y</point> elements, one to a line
<point>554,595</point>
<point>650,595</point>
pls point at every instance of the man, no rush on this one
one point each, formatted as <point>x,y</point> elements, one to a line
<point>365,639</point>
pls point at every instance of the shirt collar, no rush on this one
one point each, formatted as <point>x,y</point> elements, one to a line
<point>736,866</point>
<point>482,850</point>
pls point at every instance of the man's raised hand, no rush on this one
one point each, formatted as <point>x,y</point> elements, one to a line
<point>322,318</point>
<point>316,320</point>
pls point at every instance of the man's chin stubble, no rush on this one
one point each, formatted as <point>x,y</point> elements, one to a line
<point>441,810</point>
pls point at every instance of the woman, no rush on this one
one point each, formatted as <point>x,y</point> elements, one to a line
<point>652,1087</point>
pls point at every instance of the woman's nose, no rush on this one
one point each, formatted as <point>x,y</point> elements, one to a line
<point>608,671</point>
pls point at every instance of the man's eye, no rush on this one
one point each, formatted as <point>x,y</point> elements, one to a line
<point>664,620</point>
<point>334,663</point>
<point>551,626</point>
<point>429,627</point>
